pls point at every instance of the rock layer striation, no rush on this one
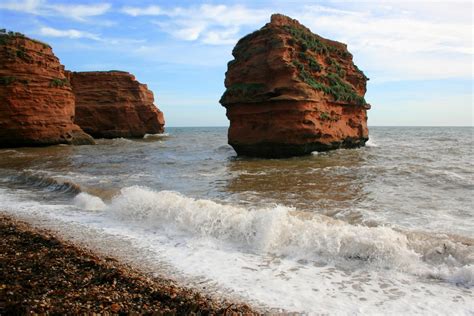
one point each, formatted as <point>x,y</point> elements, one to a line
<point>290,92</point>
<point>36,99</point>
<point>113,104</point>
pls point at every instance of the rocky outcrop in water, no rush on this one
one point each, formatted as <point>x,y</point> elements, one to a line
<point>290,92</point>
<point>113,104</point>
<point>36,99</point>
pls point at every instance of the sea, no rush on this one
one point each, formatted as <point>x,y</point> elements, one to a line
<point>384,229</point>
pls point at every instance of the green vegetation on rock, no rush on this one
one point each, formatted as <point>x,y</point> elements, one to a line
<point>8,80</point>
<point>5,37</point>
<point>21,53</point>
<point>331,83</point>
<point>327,76</point>
<point>244,91</point>
<point>325,116</point>
<point>361,72</point>
<point>5,81</point>
<point>57,82</point>
<point>310,41</point>
<point>342,91</point>
<point>247,52</point>
<point>312,63</point>
<point>306,40</point>
<point>335,67</point>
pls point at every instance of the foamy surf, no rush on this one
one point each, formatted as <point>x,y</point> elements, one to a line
<point>275,231</point>
<point>156,136</point>
<point>89,202</point>
<point>284,232</point>
<point>371,143</point>
<point>275,258</point>
<point>381,249</point>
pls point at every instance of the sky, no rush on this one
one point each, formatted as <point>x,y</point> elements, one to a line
<point>417,54</point>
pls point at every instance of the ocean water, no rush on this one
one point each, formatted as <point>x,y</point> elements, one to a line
<point>388,228</point>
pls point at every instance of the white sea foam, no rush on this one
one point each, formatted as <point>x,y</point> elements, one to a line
<point>272,230</point>
<point>371,143</point>
<point>89,202</point>
<point>464,276</point>
<point>270,256</point>
<point>151,136</point>
<point>283,231</point>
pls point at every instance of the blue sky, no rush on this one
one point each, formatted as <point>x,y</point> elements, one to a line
<point>419,55</point>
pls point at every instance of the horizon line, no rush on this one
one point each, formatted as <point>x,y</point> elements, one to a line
<point>190,126</point>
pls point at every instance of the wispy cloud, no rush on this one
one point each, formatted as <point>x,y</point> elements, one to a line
<point>399,41</point>
<point>71,33</point>
<point>137,11</point>
<point>210,24</point>
<point>391,40</point>
<point>28,6</point>
<point>78,12</point>
<point>393,30</point>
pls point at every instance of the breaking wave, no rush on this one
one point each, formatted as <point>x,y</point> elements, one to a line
<point>371,143</point>
<point>283,231</point>
<point>89,202</point>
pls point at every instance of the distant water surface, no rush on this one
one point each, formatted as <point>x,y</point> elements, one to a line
<point>370,229</point>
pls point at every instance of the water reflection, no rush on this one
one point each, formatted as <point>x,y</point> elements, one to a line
<point>400,181</point>
<point>53,157</point>
<point>328,183</point>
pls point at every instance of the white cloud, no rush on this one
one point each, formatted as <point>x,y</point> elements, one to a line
<point>71,33</point>
<point>80,12</point>
<point>396,41</point>
<point>38,7</point>
<point>189,33</point>
<point>396,32</point>
<point>210,24</point>
<point>135,11</point>
<point>28,6</point>
<point>390,40</point>
<point>224,36</point>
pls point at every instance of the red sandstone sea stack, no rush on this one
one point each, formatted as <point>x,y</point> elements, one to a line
<point>36,99</point>
<point>290,92</point>
<point>113,104</point>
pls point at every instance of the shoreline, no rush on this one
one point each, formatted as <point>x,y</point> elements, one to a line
<point>43,273</point>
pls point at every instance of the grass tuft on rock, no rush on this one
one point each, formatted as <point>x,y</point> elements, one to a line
<point>58,82</point>
<point>331,83</point>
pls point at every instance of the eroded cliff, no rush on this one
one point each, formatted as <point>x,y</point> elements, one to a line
<point>290,92</point>
<point>36,100</point>
<point>113,104</point>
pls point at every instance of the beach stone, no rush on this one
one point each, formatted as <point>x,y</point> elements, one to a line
<point>115,308</point>
<point>290,92</point>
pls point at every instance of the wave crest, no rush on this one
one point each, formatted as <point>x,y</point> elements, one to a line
<point>43,181</point>
<point>278,230</point>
